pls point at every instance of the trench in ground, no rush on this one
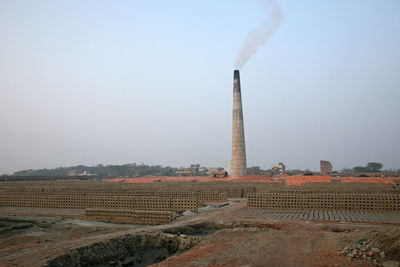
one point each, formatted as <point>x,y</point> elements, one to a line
<point>144,249</point>
<point>140,249</point>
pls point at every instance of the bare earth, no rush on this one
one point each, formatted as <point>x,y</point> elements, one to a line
<point>237,236</point>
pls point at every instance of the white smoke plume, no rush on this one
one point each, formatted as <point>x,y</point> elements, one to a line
<point>261,35</point>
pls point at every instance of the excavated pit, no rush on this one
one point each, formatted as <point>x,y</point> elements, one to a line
<point>9,225</point>
<point>206,228</point>
<point>130,250</point>
<point>144,249</point>
<point>336,229</point>
<point>199,229</point>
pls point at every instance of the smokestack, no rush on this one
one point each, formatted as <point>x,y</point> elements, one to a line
<point>238,145</point>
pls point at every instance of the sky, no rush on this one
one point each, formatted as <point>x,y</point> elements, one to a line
<point>115,82</point>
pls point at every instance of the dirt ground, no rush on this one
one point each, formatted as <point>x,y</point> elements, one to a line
<point>225,239</point>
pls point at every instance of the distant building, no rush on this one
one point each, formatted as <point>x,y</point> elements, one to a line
<point>308,172</point>
<point>73,173</point>
<point>326,167</point>
<point>278,169</point>
<point>85,173</point>
<point>76,173</point>
<point>220,174</point>
<point>211,170</point>
<point>203,169</point>
<point>185,172</point>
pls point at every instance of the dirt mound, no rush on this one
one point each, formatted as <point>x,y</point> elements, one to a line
<point>298,180</point>
<point>257,179</point>
<point>389,241</point>
<point>200,229</point>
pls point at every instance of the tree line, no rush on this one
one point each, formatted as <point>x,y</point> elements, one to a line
<point>370,167</point>
<point>100,170</point>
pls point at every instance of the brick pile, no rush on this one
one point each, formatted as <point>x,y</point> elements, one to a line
<point>325,201</point>
<point>123,215</point>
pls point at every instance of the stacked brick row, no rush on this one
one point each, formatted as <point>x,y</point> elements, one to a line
<point>123,215</point>
<point>167,189</point>
<point>332,187</point>
<point>182,194</point>
<point>326,201</point>
<point>182,204</point>
<point>83,186</point>
<point>97,200</point>
<point>347,187</point>
<point>209,196</point>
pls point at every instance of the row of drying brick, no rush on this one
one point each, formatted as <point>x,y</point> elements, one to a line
<point>233,190</point>
<point>125,215</point>
<point>205,192</point>
<point>328,201</point>
<point>320,215</point>
<point>76,201</point>
<point>201,196</point>
<point>205,195</point>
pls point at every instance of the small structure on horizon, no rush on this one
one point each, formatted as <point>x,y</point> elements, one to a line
<point>185,172</point>
<point>220,174</point>
<point>326,167</point>
<point>278,169</point>
<point>212,170</point>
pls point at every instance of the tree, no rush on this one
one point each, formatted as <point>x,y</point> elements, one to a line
<point>360,169</point>
<point>374,166</point>
<point>345,170</point>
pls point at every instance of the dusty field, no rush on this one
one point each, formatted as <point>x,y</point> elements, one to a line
<point>226,239</point>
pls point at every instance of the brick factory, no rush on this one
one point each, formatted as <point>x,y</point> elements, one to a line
<point>240,203</point>
<point>161,199</point>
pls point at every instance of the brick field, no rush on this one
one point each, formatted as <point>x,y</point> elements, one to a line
<point>319,215</point>
<point>263,221</point>
<point>159,201</point>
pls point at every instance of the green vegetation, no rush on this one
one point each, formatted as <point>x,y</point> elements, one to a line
<point>371,167</point>
<point>100,170</point>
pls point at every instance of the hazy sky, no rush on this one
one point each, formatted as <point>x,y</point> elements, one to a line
<point>114,82</point>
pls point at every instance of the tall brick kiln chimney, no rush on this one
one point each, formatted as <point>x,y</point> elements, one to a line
<point>238,145</point>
